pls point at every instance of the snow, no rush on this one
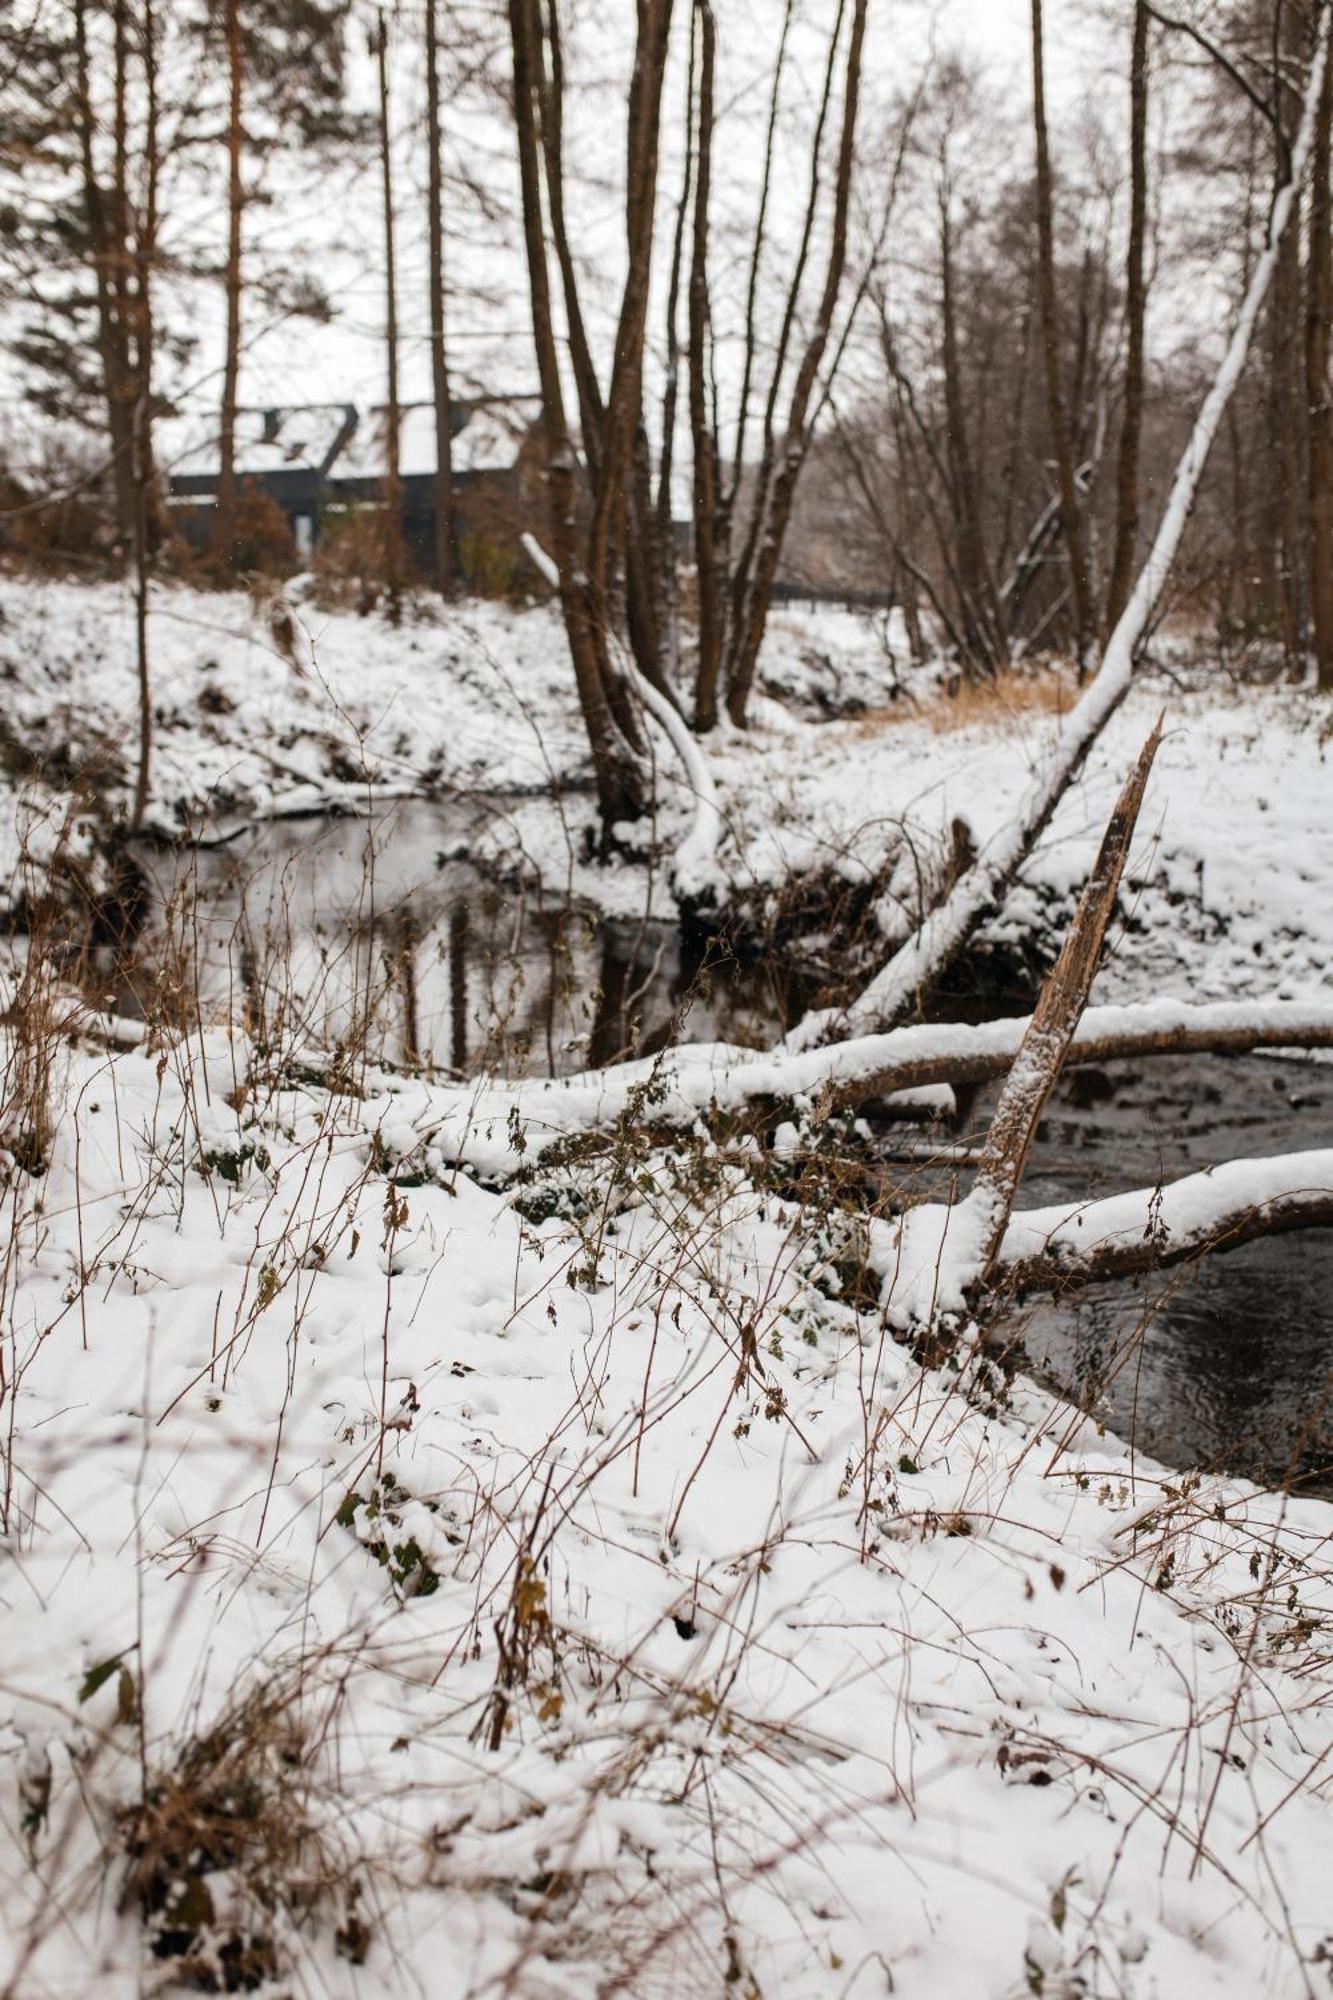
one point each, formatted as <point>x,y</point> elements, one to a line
<point>961,1704</point>
<point>833,1669</point>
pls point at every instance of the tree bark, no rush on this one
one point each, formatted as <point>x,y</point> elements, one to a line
<point>446,551</point>
<point>112,336</point>
<point>1127,478</point>
<point>1056,413</point>
<point>776,516</point>
<point>393,485</point>
<point>224,535</point>
<point>616,770</point>
<point>1319,308</point>
<point>986,642</point>
<point>1054,1024</point>
<point>707,554</point>
<point>145,253</point>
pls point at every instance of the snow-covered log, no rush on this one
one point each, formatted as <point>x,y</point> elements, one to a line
<point>929,1259</point>
<point>481,1124</point>
<point>894,988</point>
<point>1153,1228</point>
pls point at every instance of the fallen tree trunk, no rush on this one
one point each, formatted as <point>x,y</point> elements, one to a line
<point>928,1263</point>
<point>1128,1235</point>
<point>494,1127</point>
<point>980,889</point>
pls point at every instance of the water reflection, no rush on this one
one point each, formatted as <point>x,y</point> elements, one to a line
<point>386,934</point>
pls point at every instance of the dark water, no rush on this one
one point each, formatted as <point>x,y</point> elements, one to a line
<point>332,930</point>
<point>1229,1365</point>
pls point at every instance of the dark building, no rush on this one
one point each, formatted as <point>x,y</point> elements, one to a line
<point>320,461</point>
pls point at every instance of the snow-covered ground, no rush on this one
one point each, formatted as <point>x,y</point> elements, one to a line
<point>1231,884</point>
<point>413,1585</point>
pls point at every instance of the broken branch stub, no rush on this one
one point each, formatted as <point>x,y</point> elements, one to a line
<point>1058,1012</point>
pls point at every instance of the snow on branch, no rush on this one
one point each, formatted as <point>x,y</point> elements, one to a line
<point>493,1126</point>
<point>1152,1228</point>
<point>693,867</point>
<point>929,1259</point>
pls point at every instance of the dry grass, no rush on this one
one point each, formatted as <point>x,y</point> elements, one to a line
<point>1018,694</point>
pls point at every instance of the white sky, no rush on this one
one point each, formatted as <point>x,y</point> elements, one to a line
<point>331,220</point>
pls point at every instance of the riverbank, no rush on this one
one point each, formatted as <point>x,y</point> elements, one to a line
<point>1229,891</point>
<point>431,1569</point>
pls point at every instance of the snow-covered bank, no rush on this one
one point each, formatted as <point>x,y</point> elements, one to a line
<point>1229,889</point>
<point>605,1604</point>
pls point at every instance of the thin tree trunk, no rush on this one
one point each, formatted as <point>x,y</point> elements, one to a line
<point>666,541</point>
<point>111,332</point>
<point>551,99</point>
<point>1055,1019</point>
<point>1286,312</point>
<point>446,553</point>
<point>1319,307</point>
<point>1127,478</point>
<point>748,638</point>
<point>706,470</point>
<point>1287,365</point>
<point>1057,415</point>
<point>623,395</point>
<point>224,536</point>
<point>986,643</point>
<point>756,256</point>
<point>142,416</point>
<point>744,568</point>
<point>393,485</point>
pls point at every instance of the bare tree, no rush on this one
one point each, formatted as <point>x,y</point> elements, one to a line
<point>446,553</point>
<point>580,551</point>
<point>224,526</point>
<point>1131,428</point>
<point>145,256</point>
<point>1318,310</point>
<point>1056,409</point>
<point>393,485</point>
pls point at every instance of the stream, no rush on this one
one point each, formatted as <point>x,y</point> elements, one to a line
<point>330,930</point>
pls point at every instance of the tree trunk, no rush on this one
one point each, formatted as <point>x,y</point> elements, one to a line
<point>446,551</point>
<point>111,331</point>
<point>619,780</point>
<point>145,253</point>
<point>393,485</point>
<point>703,442</point>
<point>613,485</point>
<point>1127,480</point>
<point>224,535</point>
<point>1319,306</point>
<point>749,634</point>
<point>1057,415</point>
<point>982,621</point>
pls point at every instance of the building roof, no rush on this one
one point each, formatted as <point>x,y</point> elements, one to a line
<point>336,441</point>
<point>305,437</point>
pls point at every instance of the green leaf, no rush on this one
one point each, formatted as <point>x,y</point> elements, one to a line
<point>98,1676</point>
